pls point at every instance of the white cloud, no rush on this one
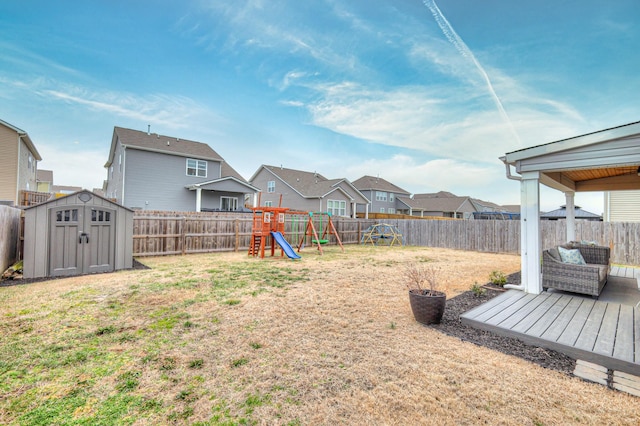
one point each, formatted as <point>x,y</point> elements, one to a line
<point>170,111</point>
<point>74,166</point>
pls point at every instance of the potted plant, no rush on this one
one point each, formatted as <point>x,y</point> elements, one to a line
<point>427,302</point>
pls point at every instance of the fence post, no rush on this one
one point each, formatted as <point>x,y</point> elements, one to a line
<point>237,230</point>
<point>183,237</point>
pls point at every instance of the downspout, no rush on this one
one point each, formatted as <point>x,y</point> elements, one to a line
<point>518,178</point>
<point>124,163</point>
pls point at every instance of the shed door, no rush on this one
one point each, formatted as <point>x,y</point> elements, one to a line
<point>81,240</point>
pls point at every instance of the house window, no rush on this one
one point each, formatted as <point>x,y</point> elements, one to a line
<point>271,186</point>
<point>381,209</point>
<point>391,198</point>
<point>228,203</point>
<point>337,207</point>
<point>381,196</point>
<point>30,162</point>
<point>268,203</point>
<point>196,168</point>
<point>391,210</point>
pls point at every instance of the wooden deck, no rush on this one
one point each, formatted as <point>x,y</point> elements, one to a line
<point>596,331</point>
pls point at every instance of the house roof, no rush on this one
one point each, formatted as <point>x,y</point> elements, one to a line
<point>441,204</point>
<point>25,137</point>
<point>135,139</point>
<point>373,183</point>
<point>44,175</point>
<point>579,213</point>
<point>212,183</point>
<point>160,143</point>
<point>308,184</point>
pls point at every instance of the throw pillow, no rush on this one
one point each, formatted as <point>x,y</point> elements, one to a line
<point>572,256</point>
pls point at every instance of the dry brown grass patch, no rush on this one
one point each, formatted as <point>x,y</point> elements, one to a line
<point>325,340</point>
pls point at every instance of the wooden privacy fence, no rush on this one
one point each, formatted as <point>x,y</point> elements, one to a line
<point>9,236</point>
<point>161,233</point>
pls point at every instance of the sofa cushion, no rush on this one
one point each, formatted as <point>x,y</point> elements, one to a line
<point>553,252</point>
<point>572,256</point>
<point>602,272</point>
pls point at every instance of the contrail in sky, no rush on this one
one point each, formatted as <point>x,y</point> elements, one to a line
<point>464,50</point>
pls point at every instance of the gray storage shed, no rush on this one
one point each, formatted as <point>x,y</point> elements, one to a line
<point>76,234</point>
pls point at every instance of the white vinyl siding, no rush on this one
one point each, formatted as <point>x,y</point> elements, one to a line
<point>196,168</point>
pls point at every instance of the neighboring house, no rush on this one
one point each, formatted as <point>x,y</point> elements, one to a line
<point>441,204</point>
<point>44,179</point>
<point>18,163</point>
<point>446,204</point>
<point>155,172</point>
<point>383,195</point>
<point>307,191</point>
<point>622,206</point>
<point>60,190</point>
<point>561,213</point>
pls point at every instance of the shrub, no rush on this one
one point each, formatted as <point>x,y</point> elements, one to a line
<point>498,278</point>
<point>478,290</point>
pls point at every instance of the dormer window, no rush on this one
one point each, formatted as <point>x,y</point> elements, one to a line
<point>196,168</point>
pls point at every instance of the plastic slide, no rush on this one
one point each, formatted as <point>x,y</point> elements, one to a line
<point>288,250</point>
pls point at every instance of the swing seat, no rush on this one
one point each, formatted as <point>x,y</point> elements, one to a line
<point>314,241</point>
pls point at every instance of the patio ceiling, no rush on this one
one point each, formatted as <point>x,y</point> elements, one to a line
<point>607,160</point>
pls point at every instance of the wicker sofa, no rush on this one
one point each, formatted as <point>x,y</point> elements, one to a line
<point>585,279</point>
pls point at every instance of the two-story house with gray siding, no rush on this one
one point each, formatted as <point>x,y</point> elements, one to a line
<point>149,171</point>
<point>383,194</point>
<point>307,191</point>
<point>18,163</point>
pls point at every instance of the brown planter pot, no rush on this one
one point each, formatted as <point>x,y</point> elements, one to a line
<point>427,309</point>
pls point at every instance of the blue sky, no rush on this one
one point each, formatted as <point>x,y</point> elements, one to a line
<point>425,94</point>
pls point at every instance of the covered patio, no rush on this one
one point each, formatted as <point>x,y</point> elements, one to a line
<point>607,160</point>
<point>602,334</point>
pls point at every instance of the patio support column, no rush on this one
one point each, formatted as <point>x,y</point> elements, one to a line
<point>571,215</point>
<point>530,246</point>
<point>198,199</point>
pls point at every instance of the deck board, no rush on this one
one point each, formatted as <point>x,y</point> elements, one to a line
<point>589,334</point>
<point>536,314</point>
<point>559,323</point>
<point>607,333</point>
<point>624,340</point>
<point>494,306</point>
<point>551,315</point>
<point>604,333</point>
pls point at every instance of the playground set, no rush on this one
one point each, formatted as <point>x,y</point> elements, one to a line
<point>268,229</point>
<point>382,234</point>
